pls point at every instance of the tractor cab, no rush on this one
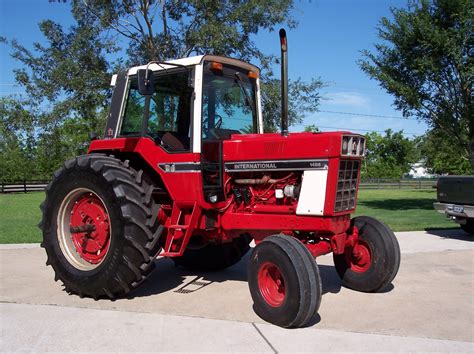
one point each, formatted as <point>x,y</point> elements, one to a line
<point>187,103</point>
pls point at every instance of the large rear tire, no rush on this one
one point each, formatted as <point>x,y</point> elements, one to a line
<point>214,257</point>
<point>373,262</point>
<point>284,282</point>
<point>100,227</point>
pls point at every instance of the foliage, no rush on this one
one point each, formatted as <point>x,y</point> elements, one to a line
<point>67,92</point>
<point>16,140</point>
<point>66,79</point>
<point>441,156</point>
<point>208,27</point>
<point>303,98</point>
<point>169,29</point>
<point>426,62</point>
<point>389,155</point>
<point>311,128</point>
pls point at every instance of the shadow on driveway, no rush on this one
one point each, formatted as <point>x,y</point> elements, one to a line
<point>168,277</point>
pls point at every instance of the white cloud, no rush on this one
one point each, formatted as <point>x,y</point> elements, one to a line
<point>347,99</point>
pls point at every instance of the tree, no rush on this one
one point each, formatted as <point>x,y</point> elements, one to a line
<point>67,85</point>
<point>311,128</point>
<point>16,140</point>
<point>67,79</point>
<point>388,156</point>
<point>440,156</point>
<point>426,63</point>
<point>169,29</point>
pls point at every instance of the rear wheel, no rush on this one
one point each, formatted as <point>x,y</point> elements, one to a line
<point>213,257</point>
<point>373,262</point>
<point>284,282</point>
<point>100,227</point>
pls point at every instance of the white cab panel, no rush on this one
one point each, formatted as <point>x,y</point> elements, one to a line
<point>313,193</point>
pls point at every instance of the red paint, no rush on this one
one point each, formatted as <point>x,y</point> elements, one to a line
<point>89,211</point>
<point>359,257</point>
<point>271,284</point>
<point>262,215</point>
<point>320,248</point>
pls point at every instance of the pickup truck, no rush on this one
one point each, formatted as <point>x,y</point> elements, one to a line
<point>455,198</point>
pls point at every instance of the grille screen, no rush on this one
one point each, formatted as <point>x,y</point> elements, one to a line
<point>346,185</point>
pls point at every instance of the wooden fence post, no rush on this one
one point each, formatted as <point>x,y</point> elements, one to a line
<point>24,185</point>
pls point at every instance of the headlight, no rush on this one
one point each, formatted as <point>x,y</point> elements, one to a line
<point>345,145</point>
<point>353,145</point>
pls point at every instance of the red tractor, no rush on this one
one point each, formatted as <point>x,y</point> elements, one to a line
<point>184,171</point>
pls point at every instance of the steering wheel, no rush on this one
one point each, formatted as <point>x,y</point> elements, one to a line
<point>218,121</point>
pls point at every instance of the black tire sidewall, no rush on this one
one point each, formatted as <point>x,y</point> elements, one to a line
<point>287,311</point>
<point>385,257</point>
<point>75,278</point>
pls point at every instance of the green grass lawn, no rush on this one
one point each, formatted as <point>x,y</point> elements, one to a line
<point>402,210</point>
<point>19,217</point>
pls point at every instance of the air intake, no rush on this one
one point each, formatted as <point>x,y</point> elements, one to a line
<point>347,185</point>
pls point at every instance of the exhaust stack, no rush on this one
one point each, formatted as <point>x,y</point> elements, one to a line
<point>284,83</point>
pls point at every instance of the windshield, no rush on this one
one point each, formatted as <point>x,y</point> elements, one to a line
<point>228,103</point>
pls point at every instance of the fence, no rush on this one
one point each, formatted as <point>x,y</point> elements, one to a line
<point>23,186</point>
<point>381,183</point>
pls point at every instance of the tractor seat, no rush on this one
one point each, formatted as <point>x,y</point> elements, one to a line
<point>173,141</point>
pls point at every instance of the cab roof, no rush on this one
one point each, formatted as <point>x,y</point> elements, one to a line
<point>196,60</point>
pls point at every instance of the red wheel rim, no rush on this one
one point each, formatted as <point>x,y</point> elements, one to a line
<point>359,257</point>
<point>84,229</point>
<point>271,284</point>
<point>90,216</point>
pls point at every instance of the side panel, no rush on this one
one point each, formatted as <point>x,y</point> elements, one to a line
<point>180,173</point>
<point>313,193</point>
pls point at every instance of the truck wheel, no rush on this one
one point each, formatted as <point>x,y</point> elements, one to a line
<point>284,282</point>
<point>100,227</point>
<point>373,262</point>
<point>213,257</point>
<point>468,226</point>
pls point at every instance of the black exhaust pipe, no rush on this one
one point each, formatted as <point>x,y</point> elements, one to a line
<point>284,82</point>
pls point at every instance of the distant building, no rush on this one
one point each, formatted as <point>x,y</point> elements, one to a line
<point>419,170</point>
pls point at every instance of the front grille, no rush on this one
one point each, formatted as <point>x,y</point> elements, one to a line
<point>347,185</point>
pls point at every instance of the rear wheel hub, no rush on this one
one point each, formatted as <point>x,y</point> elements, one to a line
<point>84,229</point>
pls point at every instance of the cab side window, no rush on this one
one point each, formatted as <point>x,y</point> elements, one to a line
<point>134,109</point>
<point>169,111</point>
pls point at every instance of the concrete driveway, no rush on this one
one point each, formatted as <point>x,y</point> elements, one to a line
<point>430,307</point>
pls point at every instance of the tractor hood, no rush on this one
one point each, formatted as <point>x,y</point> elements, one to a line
<point>265,147</point>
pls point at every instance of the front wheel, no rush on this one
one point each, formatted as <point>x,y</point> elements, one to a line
<point>373,262</point>
<point>284,282</point>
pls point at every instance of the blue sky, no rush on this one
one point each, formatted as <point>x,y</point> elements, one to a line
<point>326,44</point>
